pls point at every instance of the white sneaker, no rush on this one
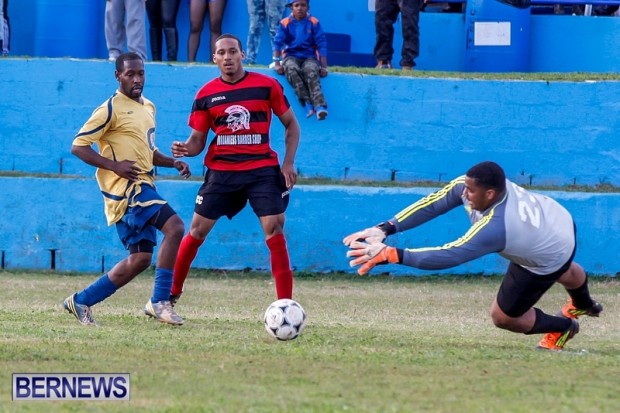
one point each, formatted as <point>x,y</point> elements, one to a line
<point>163,311</point>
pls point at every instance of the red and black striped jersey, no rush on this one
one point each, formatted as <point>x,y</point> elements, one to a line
<point>240,115</point>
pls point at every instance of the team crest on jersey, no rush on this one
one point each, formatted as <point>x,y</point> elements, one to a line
<point>238,118</point>
<point>150,137</point>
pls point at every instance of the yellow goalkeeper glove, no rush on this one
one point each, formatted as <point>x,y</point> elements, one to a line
<point>369,255</point>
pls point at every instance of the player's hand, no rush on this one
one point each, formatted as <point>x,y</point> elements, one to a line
<point>279,69</point>
<point>323,72</point>
<point>126,169</point>
<point>368,255</point>
<point>371,235</point>
<point>290,175</point>
<point>179,149</point>
<point>183,168</point>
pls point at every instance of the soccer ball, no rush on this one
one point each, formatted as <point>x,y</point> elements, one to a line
<point>285,319</point>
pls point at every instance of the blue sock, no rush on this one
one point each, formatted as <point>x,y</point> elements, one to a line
<point>96,292</point>
<point>163,284</point>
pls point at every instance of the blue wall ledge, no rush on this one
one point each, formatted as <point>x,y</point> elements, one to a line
<point>66,216</point>
<point>415,128</point>
<point>542,132</point>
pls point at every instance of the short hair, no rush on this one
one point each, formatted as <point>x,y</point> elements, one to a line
<point>488,175</point>
<point>126,57</point>
<point>230,36</point>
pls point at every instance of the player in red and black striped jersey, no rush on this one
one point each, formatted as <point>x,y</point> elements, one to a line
<point>242,166</point>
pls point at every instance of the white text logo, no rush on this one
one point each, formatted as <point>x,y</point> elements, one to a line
<point>71,386</point>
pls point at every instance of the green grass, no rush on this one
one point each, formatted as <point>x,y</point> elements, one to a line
<point>375,344</point>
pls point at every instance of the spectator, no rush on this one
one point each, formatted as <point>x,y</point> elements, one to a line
<point>300,43</point>
<point>259,12</point>
<point>197,11</point>
<point>163,18</point>
<point>604,10</point>
<point>386,12</point>
<point>125,23</point>
<point>5,29</point>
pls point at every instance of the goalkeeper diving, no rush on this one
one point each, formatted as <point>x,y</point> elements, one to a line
<point>534,232</point>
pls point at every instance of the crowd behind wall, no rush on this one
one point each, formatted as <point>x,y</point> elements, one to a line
<point>40,29</point>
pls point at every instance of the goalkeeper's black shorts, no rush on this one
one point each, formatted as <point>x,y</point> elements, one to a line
<point>227,192</point>
<point>521,288</point>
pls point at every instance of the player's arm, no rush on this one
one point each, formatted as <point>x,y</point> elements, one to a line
<point>291,141</point>
<point>484,237</point>
<point>125,169</point>
<point>159,159</point>
<point>414,215</point>
<point>193,146</point>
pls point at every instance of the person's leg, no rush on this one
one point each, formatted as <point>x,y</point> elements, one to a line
<point>197,10</point>
<point>275,11</point>
<point>217,196</point>
<point>115,27</point>
<point>216,15</point>
<point>294,75</point>
<point>410,16</point>
<point>5,29</point>
<point>136,27</point>
<point>386,12</point>
<point>575,281</point>
<point>310,70</point>
<point>280,263</point>
<point>153,11</point>
<point>79,303</point>
<point>513,308</point>
<point>171,226</point>
<point>269,199</point>
<point>199,229</point>
<point>256,14</point>
<point>170,9</point>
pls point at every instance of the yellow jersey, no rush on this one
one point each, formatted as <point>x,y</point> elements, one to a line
<point>123,129</point>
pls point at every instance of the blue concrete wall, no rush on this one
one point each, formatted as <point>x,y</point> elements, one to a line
<point>424,129</point>
<point>67,215</point>
<point>58,28</point>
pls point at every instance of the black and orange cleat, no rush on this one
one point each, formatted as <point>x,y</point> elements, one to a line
<point>556,341</point>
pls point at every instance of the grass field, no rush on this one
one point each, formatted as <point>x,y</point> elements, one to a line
<point>371,345</point>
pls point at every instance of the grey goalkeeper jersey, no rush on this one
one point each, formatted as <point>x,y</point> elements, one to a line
<point>529,229</point>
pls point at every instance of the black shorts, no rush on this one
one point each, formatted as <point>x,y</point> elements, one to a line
<point>227,192</point>
<point>521,288</point>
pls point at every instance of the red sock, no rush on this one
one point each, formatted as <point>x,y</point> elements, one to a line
<point>187,252</point>
<point>280,266</point>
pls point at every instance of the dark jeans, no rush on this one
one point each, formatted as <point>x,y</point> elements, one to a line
<point>386,13</point>
<point>162,16</point>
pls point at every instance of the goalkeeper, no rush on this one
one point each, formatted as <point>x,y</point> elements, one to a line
<point>534,232</point>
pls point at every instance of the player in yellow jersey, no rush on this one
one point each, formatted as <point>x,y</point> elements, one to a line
<point>123,128</point>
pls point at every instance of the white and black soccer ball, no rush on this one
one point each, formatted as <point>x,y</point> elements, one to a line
<point>285,319</point>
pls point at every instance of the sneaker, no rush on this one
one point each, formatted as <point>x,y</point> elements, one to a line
<point>309,109</point>
<point>570,311</point>
<point>407,68</point>
<point>174,298</point>
<point>321,112</point>
<point>162,311</point>
<point>80,311</point>
<point>383,64</point>
<point>556,341</point>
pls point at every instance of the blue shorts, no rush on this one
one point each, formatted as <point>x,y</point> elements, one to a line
<point>135,226</point>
